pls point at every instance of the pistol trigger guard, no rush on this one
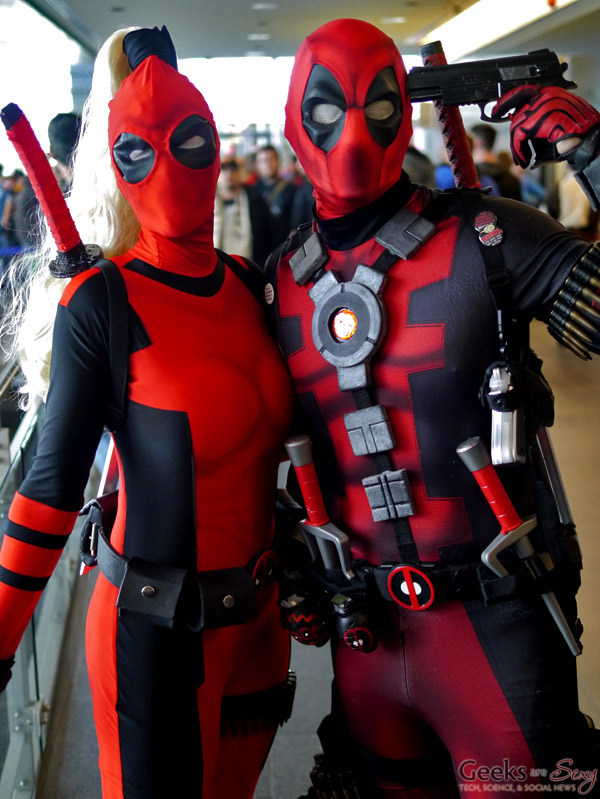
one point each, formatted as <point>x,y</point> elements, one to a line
<point>487,118</point>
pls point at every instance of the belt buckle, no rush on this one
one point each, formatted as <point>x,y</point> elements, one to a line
<point>410,587</point>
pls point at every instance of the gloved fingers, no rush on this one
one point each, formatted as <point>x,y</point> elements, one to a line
<point>514,100</point>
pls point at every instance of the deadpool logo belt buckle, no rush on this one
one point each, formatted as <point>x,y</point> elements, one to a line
<point>410,587</point>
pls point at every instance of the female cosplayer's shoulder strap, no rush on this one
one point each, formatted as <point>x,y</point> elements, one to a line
<point>118,336</point>
<point>74,284</point>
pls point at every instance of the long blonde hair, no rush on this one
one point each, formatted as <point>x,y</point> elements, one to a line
<point>101,214</point>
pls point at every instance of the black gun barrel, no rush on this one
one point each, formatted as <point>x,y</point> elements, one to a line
<point>480,82</point>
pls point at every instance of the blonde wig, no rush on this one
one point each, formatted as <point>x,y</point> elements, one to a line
<point>101,214</point>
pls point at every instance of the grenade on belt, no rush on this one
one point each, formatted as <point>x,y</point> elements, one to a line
<point>353,625</point>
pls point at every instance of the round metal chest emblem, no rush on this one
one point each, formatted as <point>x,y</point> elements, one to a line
<point>348,325</point>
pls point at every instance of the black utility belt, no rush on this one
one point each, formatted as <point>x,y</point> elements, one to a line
<point>163,594</point>
<point>418,587</point>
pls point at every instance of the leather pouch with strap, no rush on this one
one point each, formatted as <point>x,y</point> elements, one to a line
<point>151,591</point>
<point>160,595</point>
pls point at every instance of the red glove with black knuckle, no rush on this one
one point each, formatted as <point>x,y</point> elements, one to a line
<point>542,118</point>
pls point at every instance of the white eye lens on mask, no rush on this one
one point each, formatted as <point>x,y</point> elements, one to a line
<point>137,155</point>
<point>326,113</point>
<point>380,109</point>
<point>192,143</point>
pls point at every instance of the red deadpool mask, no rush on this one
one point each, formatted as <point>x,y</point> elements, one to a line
<point>164,148</point>
<point>348,117</point>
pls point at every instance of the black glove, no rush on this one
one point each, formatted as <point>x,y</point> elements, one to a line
<point>139,44</point>
<point>5,672</point>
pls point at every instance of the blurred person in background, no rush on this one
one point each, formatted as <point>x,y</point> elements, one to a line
<point>532,191</point>
<point>490,170</point>
<point>243,222</point>
<point>568,204</point>
<point>418,167</point>
<point>274,189</point>
<point>63,134</point>
<point>20,222</point>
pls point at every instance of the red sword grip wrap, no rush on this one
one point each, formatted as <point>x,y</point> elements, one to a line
<point>311,494</point>
<point>453,128</point>
<point>499,501</point>
<point>42,180</point>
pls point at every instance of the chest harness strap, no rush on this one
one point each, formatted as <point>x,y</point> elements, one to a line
<point>348,328</point>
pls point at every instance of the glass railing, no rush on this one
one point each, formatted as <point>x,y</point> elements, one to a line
<point>25,705</point>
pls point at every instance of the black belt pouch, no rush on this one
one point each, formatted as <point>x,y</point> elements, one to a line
<point>151,591</point>
<point>228,597</point>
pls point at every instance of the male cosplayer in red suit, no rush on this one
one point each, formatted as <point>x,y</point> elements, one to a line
<point>185,711</point>
<point>385,315</point>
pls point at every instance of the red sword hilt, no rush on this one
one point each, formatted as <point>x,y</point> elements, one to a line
<point>452,127</point>
<point>476,458</point>
<point>332,543</point>
<point>73,255</point>
<point>299,450</point>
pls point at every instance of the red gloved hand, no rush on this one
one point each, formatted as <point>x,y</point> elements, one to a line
<point>542,118</point>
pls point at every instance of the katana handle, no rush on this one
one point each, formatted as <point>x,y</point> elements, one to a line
<point>476,458</point>
<point>43,181</point>
<point>299,450</point>
<point>452,127</point>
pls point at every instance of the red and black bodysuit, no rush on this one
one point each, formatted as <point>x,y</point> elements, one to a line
<point>208,406</point>
<point>388,324</point>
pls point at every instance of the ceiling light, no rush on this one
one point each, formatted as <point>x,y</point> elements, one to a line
<point>471,30</point>
<point>393,20</point>
<point>264,6</point>
<point>258,37</point>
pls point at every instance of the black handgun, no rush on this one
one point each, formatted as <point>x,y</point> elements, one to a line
<point>481,82</point>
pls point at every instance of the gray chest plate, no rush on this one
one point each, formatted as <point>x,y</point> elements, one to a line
<point>348,328</point>
<point>349,323</point>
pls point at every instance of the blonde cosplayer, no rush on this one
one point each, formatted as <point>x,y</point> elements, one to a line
<point>101,214</point>
<point>180,690</point>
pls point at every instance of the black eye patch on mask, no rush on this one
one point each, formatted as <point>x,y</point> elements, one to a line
<point>133,156</point>
<point>383,107</point>
<point>193,142</point>
<point>323,108</point>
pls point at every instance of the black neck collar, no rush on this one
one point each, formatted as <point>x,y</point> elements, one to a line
<point>346,232</point>
<point>204,286</point>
